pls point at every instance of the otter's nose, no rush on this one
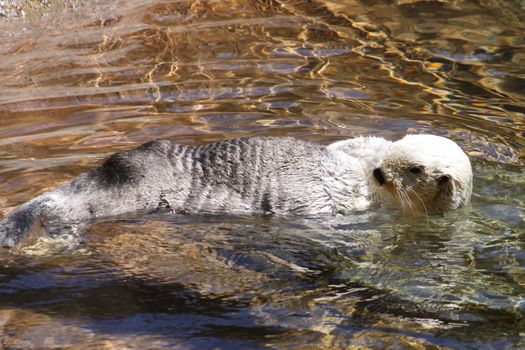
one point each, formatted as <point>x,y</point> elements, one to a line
<point>379,175</point>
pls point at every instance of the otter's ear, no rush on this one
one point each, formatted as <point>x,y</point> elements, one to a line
<point>444,183</point>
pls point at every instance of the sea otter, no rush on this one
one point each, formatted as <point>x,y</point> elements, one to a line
<point>266,175</point>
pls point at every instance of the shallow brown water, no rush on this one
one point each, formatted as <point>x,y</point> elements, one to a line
<point>80,80</point>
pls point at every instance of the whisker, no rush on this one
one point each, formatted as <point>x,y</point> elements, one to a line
<point>403,200</point>
<point>422,203</point>
<point>407,197</point>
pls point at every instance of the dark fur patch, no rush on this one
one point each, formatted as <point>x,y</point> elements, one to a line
<point>266,204</point>
<point>163,202</point>
<point>130,166</point>
<point>160,146</point>
<point>119,169</point>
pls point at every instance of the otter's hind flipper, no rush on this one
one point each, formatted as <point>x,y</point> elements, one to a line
<point>41,214</point>
<point>20,222</point>
<point>126,181</point>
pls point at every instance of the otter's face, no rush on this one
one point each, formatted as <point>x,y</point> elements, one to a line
<point>424,174</point>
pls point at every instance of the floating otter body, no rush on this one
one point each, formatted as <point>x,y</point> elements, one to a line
<point>253,175</point>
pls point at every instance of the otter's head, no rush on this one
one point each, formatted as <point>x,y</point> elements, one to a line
<point>424,174</point>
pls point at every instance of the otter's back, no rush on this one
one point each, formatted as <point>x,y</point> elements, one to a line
<point>249,174</point>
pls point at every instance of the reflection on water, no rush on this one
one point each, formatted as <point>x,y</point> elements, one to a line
<point>82,79</point>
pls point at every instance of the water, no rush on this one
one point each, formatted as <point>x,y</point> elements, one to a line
<point>82,79</point>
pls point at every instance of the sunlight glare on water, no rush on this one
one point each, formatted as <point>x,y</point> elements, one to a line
<point>80,80</point>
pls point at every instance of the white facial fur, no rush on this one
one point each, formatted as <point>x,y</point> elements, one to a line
<point>424,174</point>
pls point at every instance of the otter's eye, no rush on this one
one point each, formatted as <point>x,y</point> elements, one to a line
<point>415,170</point>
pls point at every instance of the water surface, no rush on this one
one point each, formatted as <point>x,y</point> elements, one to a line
<point>80,80</point>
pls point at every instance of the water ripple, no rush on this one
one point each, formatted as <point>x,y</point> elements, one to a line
<point>80,80</point>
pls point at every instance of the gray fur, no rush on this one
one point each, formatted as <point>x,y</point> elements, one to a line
<point>251,175</point>
<point>256,175</point>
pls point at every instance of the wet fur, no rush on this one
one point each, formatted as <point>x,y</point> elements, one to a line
<point>443,182</point>
<point>252,175</point>
<point>263,175</point>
